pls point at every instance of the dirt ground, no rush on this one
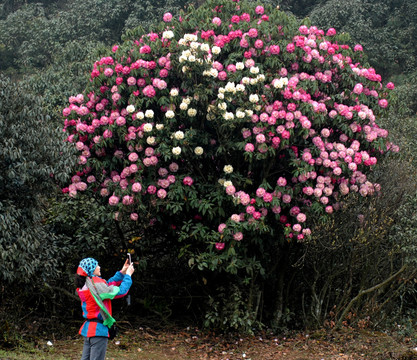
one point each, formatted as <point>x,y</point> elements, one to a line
<point>190,343</point>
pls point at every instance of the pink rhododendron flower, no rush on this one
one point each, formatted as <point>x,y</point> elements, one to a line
<point>149,91</point>
<point>267,197</point>
<point>113,200</point>
<point>331,32</point>
<point>173,167</point>
<point>281,181</point>
<point>216,21</point>
<point>127,200</point>
<point>221,227</point>
<point>250,209</point>
<point>253,33</point>
<point>188,181</point>
<point>220,246</point>
<point>259,10</point>
<point>260,138</point>
<point>238,236</point>
<point>161,193</point>
<point>235,218</point>
<point>151,189</point>
<point>383,103</point>
<point>301,217</point>
<point>297,227</point>
<point>230,190</point>
<point>167,17</point>
<point>358,89</point>
<point>260,192</point>
<point>256,215</point>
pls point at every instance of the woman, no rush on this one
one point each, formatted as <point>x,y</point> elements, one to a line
<point>96,294</point>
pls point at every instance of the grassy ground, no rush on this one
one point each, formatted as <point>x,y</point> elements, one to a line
<point>191,344</point>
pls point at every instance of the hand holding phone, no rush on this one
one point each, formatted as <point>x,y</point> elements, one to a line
<point>130,270</point>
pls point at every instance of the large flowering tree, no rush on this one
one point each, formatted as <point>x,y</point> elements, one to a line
<point>234,124</point>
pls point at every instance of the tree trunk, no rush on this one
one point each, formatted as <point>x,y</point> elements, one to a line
<point>281,270</point>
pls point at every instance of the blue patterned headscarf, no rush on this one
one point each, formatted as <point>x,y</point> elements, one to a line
<point>87,267</point>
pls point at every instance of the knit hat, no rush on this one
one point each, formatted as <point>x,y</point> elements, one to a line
<point>87,267</point>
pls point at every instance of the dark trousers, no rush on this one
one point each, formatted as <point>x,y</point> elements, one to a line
<point>94,348</point>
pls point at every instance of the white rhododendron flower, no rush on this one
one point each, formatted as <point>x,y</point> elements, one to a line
<point>230,87</point>
<point>228,169</point>
<point>253,98</point>
<point>190,37</point>
<point>198,150</point>
<point>240,114</point>
<point>168,34</point>
<point>214,72</point>
<point>176,150</point>
<point>205,47</point>
<point>147,127</point>
<point>222,106</point>
<point>192,112</point>
<point>151,140</point>
<point>149,114</point>
<point>179,135</point>
<point>216,50</point>
<point>130,108</point>
<point>140,115</point>
<point>194,45</point>
<point>170,114</point>
<point>228,116</point>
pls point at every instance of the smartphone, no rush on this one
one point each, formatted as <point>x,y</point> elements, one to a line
<point>129,258</point>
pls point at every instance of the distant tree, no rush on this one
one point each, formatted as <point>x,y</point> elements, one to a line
<point>51,28</point>
<point>33,156</point>
<point>384,28</point>
<point>300,8</point>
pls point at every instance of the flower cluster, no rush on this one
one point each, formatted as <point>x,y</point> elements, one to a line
<point>280,123</point>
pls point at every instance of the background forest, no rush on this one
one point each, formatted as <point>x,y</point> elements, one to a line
<point>358,269</point>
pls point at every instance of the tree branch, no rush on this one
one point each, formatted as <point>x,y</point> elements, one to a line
<point>367,291</point>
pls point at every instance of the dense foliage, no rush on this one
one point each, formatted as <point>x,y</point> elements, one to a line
<point>32,162</point>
